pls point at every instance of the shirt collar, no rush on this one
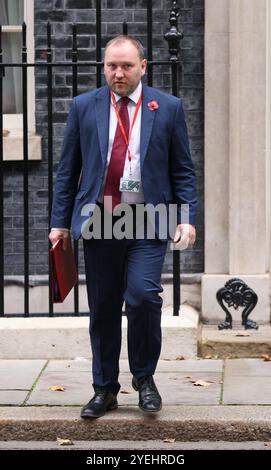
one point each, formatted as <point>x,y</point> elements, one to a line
<point>134,96</point>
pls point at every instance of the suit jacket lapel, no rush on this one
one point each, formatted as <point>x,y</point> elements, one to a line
<point>147,120</point>
<point>102,118</point>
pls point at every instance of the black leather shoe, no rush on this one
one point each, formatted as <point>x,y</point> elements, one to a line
<point>149,398</point>
<point>102,401</point>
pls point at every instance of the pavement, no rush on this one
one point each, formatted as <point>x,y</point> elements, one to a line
<point>203,400</point>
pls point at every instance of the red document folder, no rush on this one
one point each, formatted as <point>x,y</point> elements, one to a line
<point>63,270</point>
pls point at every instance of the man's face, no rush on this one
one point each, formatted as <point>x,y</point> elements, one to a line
<point>123,68</point>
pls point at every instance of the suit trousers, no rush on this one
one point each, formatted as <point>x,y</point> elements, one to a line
<point>116,271</point>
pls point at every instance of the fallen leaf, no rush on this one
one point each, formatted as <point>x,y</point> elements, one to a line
<point>242,333</point>
<point>57,388</point>
<point>169,439</point>
<point>64,442</point>
<point>180,358</point>
<point>201,383</point>
<point>267,444</point>
<point>173,378</point>
<point>125,391</point>
<point>188,376</point>
<point>207,357</point>
<point>266,357</point>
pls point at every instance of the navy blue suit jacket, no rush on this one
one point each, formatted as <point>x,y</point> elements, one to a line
<point>167,171</point>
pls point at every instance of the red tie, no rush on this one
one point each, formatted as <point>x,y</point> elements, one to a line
<point>117,160</point>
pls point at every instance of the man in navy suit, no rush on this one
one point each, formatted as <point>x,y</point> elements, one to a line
<point>126,143</point>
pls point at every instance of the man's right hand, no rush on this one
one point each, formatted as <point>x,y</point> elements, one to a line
<point>55,235</point>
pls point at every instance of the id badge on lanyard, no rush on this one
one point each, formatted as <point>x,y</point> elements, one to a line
<point>129,185</point>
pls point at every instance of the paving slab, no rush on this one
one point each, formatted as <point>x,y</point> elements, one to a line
<point>177,389</point>
<point>76,384</point>
<point>173,378</point>
<point>247,367</point>
<point>191,365</point>
<point>78,364</point>
<point>247,381</point>
<point>13,397</point>
<point>247,391</point>
<point>19,374</point>
<point>84,364</point>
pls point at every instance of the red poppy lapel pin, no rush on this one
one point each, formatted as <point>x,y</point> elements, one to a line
<point>153,105</point>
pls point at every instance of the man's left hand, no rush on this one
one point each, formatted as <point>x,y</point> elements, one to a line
<point>185,236</point>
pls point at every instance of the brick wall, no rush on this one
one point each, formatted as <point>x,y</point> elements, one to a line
<point>61,14</point>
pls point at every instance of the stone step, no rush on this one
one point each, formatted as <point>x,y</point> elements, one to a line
<point>189,423</point>
<point>234,343</point>
<point>68,337</point>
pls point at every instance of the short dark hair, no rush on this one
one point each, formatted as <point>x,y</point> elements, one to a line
<point>122,38</point>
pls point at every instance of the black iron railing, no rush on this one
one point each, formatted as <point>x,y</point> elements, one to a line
<point>173,36</point>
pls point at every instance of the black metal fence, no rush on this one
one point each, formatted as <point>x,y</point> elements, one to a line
<point>172,36</point>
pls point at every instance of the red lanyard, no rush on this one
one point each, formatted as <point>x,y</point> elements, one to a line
<point>127,141</point>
